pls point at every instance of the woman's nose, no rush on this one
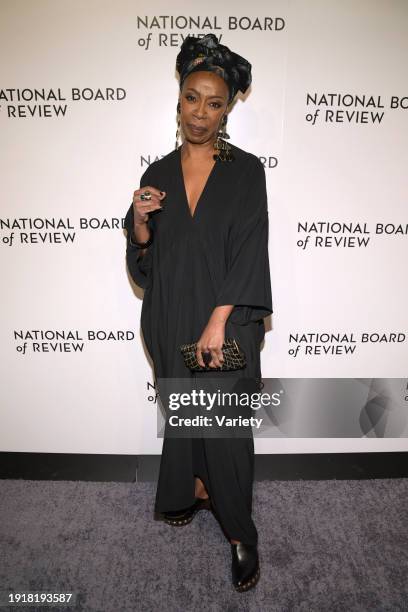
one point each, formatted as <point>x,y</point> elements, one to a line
<point>200,110</point>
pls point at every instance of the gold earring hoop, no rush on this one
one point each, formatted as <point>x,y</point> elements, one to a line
<point>224,125</point>
<point>224,151</point>
<point>178,126</point>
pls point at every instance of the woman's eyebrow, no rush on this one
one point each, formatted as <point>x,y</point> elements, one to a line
<point>197,92</point>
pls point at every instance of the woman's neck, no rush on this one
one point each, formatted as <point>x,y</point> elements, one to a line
<point>198,152</point>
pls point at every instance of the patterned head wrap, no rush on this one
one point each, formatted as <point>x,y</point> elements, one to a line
<point>206,53</point>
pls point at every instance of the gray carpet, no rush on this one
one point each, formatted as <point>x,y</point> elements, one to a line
<point>324,545</point>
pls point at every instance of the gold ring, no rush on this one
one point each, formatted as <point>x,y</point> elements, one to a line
<point>146,195</point>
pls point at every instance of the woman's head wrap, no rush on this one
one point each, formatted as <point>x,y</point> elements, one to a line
<point>206,53</point>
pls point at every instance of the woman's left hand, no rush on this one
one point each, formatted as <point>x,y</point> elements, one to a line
<point>212,340</point>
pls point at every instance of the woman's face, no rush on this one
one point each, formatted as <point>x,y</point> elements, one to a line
<point>203,102</point>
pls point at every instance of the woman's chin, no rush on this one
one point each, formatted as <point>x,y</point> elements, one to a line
<point>197,139</point>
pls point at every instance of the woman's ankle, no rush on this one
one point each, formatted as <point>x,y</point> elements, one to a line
<point>200,490</point>
<point>202,495</point>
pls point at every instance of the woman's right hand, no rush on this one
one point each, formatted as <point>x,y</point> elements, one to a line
<point>142,207</point>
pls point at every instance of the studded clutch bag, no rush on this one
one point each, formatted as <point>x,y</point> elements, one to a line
<point>234,357</point>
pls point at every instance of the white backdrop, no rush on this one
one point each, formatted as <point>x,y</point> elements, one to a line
<point>88,98</point>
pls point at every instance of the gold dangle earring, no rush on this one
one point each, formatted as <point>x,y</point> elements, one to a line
<point>224,151</point>
<point>178,125</point>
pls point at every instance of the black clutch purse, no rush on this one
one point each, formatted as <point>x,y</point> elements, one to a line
<point>234,357</point>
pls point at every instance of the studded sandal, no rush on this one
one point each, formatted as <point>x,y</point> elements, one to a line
<point>178,518</point>
<point>245,566</point>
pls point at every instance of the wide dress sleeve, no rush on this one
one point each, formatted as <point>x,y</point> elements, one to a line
<point>139,266</point>
<point>247,284</point>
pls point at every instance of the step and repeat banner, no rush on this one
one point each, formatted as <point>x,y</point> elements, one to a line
<point>88,95</point>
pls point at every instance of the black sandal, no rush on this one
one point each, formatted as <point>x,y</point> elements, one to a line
<point>178,518</point>
<point>245,566</point>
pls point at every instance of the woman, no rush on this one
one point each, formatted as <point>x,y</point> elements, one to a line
<point>197,243</point>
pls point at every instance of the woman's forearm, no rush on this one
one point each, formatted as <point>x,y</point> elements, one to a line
<point>220,314</point>
<point>141,233</point>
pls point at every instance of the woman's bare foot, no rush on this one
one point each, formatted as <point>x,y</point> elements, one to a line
<point>200,490</point>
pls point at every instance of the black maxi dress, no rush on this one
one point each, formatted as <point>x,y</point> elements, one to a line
<point>217,256</point>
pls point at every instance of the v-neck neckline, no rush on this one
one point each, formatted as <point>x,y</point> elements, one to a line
<point>193,216</point>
